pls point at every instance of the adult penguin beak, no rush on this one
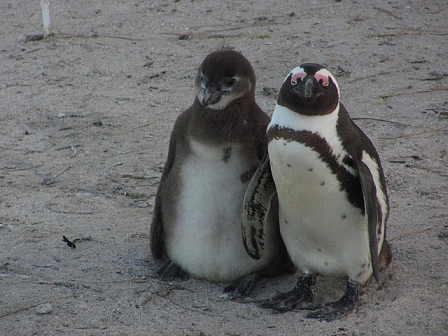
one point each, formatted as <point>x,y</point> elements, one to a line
<point>308,87</point>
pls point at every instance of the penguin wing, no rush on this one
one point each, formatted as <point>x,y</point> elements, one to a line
<point>157,233</point>
<point>263,121</point>
<point>257,203</point>
<point>371,206</point>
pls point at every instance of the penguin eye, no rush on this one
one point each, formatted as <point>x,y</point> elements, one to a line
<point>229,81</point>
<point>322,78</point>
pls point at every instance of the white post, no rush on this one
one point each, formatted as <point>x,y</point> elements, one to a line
<point>45,4</point>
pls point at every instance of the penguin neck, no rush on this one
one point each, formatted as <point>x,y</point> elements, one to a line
<point>223,125</point>
<point>286,118</point>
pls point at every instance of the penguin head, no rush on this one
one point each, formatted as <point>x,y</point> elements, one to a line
<point>224,76</point>
<point>310,89</point>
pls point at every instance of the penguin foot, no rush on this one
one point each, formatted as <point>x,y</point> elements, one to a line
<point>242,287</point>
<point>299,298</point>
<point>170,271</point>
<point>335,310</point>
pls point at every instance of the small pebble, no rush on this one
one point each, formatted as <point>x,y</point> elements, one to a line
<point>140,204</point>
<point>45,308</point>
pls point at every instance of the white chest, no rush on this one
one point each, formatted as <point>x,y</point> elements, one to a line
<point>206,239</point>
<point>323,232</point>
<point>305,184</point>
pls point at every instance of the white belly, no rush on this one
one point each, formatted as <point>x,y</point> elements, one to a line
<point>322,231</point>
<point>207,239</point>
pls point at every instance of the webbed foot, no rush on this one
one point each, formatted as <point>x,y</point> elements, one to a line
<point>170,271</point>
<point>299,298</point>
<point>335,310</point>
<point>242,287</point>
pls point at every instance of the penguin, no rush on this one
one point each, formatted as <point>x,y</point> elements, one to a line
<point>333,203</point>
<point>215,147</point>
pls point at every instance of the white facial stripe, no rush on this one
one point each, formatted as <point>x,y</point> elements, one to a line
<point>325,73</point>
<point>295,71</point>
<point>200,95</point>
<point>299,72</point>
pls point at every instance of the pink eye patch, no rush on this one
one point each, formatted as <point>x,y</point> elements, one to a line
<point>302,75</point>
<point>322,78</point>
<point>294,77</point>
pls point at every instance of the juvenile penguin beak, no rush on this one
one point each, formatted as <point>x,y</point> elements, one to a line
<point>308,88</point>
<point>211,95</point>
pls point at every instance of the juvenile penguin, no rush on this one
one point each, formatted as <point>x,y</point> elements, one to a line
<point>215,147</point>
<point>333,203</point>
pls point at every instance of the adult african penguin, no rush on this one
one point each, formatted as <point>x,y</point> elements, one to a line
<point>215,147</point>
<point>333,203</point>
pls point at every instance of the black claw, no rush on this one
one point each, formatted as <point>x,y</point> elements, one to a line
<point>299,298</point>
<point>335,310</point>
<point>170,271</point>
<point>267,304</point>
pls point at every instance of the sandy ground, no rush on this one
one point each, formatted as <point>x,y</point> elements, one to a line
<point>85,121</point>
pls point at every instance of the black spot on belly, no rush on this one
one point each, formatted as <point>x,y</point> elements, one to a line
<point>365,267</point>
<point>226,154</point>
<point>319,249</point>
<point>288,165</point>
<point>322,183</point>
<point>344,216</point>
<point>310,169</point>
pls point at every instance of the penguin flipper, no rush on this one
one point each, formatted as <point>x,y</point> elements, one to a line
<point>371,207</point>
<point>157,233</point>
<point>257,203</point>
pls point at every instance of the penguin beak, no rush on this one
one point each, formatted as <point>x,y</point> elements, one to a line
<point>210,95</point>
<point>308,88</point>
